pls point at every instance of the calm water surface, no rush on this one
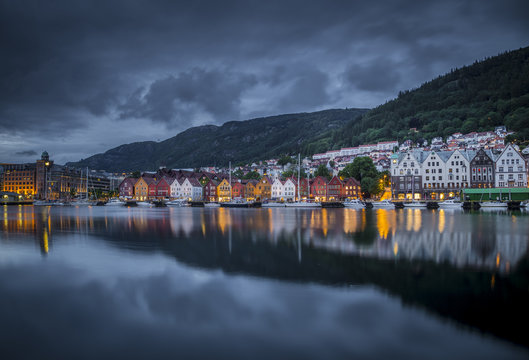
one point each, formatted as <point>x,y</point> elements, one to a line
<point>105,282</point>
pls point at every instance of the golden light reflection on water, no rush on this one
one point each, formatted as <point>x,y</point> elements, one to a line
<point>408,233</point>
<point>441,221</point>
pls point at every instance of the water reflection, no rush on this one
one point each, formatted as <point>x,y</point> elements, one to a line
<point>479,240</point>
<point>468,267</point>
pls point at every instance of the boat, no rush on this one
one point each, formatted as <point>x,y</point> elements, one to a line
<point>384,204</point>
<point>177,202</point>
<point>144,204</point>
<point>271,204</point>
<point>415,204</point>
<point>493,204</point>
<point>47,203</point>
<point>355,204</point>
<point>524,204</point>
<point>211,204</point>
<point>81,202</point>
<point>115,202</point>
<point>303,203</point>
<point>237,203</point>
<point>450,204</point>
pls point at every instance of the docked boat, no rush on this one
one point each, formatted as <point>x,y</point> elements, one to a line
<point>384,204</point>
<point>81,202</point>
<point>450,204</point>
<point>178,203</point>
<point>524,204</point>
<point>211,204</point>
<point>115,202</point>
<point>415,204</point>
<point>304,204</point>
<point>47,203</point>
<point>236,203</point>
<point>271,204</point>
<point>493,204</point>
<point>354,204</point>
<point>144,204</point>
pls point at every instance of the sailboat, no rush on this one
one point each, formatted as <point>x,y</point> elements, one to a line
<point>237,202</point>
<point>414,203</point>
<point>83,201</point>
<point>303,203</point>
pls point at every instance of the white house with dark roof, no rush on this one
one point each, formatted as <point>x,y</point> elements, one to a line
<point>510,169</point>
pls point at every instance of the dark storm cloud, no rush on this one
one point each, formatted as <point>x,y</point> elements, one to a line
<point>27,153</point>
<point>378,75</point>
<point>174,100</point>
<point>77,66</point>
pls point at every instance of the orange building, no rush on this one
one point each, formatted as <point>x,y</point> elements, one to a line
<point>249,189</point>
<point>263,189</point>
<point>224,190</point>
<point>141,189</point>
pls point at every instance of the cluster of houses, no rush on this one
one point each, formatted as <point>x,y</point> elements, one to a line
<point>213,187</point>
<point>437,175</point>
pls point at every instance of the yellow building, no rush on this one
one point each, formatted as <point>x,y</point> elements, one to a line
<point>249,189</point>
<point>19,178</point>
<point>263,189</point>
<point>141,189</point>
<point>224,190</point>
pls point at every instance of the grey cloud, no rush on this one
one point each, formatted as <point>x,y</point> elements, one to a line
<point>307,91</point>
<point>26,153</point>
<point>63,61</point>
<point>173,100</point>
<point>378,75</point>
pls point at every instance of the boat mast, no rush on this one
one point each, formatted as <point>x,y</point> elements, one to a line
<point>299,172</point>
<point>230,180</point>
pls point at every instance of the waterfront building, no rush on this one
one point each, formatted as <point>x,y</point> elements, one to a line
<point>482,169</point>
<point>163,187</point>
<point>406,174</point>
<point>318,188</point>
<point>237,189</point>
<point>126,188</point>
<point>510,169</point>
<point>263,189</point>
<point>224,190</point>
<point>249,189</point>
<point>351,189</point>
<point>19,179</point>
<point>141,189</point>
<point>335,189</point>
<point>210,190</point>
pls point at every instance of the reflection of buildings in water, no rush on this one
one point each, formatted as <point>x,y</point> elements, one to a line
<point>182,222</point>
<point>431,236</point>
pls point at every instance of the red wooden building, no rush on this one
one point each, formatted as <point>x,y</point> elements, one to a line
<point>335,189</point>
<point>318,188</point>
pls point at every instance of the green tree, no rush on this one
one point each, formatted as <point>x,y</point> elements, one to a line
<point>360,167</point>
<point>322,171</point>
<point>252,175</point>
<point>136,174</point>
<point>238,174</point>
<point>285,159</point>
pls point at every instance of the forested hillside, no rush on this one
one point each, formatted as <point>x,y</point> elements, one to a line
<point>236,141</point>
<point>477,97</point>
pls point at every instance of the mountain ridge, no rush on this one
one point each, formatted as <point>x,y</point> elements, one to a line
<point>247,140</point>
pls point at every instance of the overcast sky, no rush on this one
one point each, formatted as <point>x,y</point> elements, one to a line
<point>81,77</point>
